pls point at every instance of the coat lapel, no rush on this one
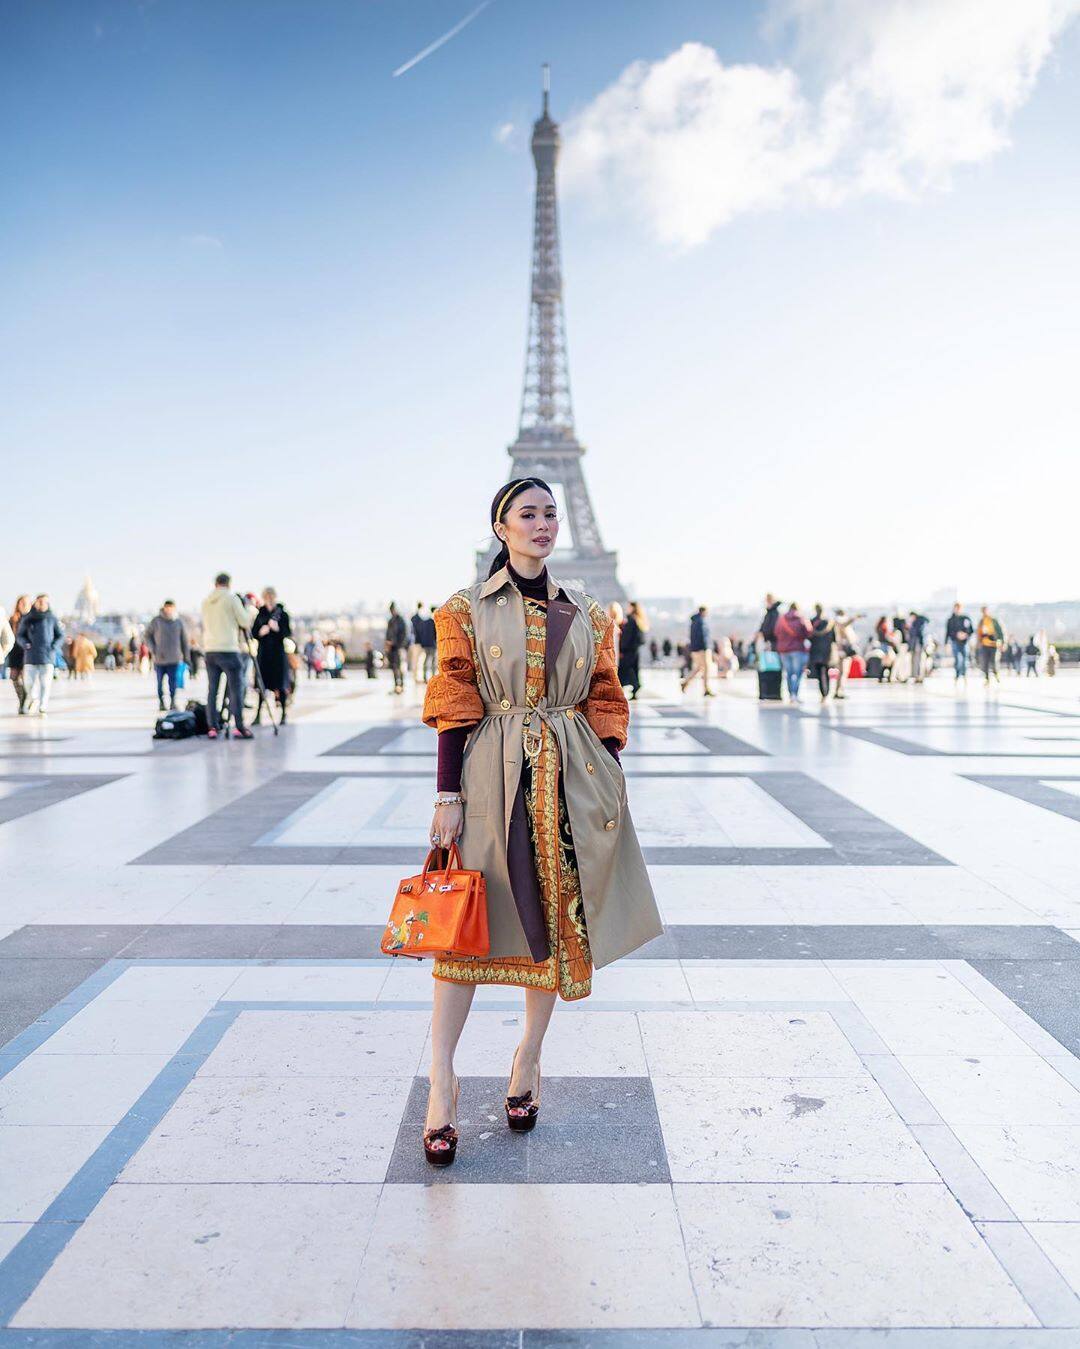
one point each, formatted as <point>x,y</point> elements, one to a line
<point>560,614</point>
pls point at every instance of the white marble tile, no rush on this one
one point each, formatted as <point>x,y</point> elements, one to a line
<point>641,983</point>
<point>578,1043</point>
<point>728,812</point>
<point>309,983</point>
<point>750,981</point>
<point>1035,1168</point>
<point>941,1028</point>
<point>319,1044</point>
<point>80,1089</point>
<point>193,1256</point>
<point>304,1130</point>
<point>768,1129</point>
<point>1004,1089</point>
<point>359,812</point>
<point>618,1261</point>
<point>349,895</point>
<point>746,1044</point>
<point>171,983</point>
<point>1061,1242</point>
<point>841,1255</point>
<point>37,1161</point>
<point>903,982</point>
<point>147,1026</point>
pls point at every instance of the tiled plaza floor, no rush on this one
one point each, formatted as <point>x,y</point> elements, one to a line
<point>837,1103</point>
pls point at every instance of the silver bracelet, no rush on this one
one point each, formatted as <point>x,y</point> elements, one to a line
<point>449,799</point>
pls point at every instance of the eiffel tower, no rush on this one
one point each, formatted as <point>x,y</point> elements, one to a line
<point>547,446</point>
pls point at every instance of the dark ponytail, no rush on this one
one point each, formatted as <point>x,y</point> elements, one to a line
<point>499,502</point>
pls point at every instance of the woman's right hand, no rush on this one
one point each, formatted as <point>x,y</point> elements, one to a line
<point>447,822</point>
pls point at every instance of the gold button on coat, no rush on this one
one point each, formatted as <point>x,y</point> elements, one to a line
<point>588,768</point>
<point>610,824</point>
<point>570,713</point>
<point>505,704</point>
<point>495,650</point>
<point>580,662</point>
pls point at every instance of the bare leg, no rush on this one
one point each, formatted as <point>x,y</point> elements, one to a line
<point>452,1003</point>
<point>539,1006</point>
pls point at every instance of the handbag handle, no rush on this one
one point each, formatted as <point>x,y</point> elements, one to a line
<point>453,860</point>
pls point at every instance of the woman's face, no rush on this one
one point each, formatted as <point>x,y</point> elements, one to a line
<point>269,598</point>
<point>530,524</point>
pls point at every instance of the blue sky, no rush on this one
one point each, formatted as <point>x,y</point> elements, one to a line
<point>265,305</point>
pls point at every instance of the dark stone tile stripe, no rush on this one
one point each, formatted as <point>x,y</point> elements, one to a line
<point>1038,967</point>
<point>1034,791</point>
<point>230,835</point>
<point>914,750</point>
<point>47,790</point>
<point>372,741</point>
<point>857,837</point>
<point>718,741</point>
<point>590,1127</point>
<point>705,1337</point>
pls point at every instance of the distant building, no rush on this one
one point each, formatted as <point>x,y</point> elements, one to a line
<point>87,605</point>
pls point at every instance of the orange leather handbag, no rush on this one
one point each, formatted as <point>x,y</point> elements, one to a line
<point>439,913</point>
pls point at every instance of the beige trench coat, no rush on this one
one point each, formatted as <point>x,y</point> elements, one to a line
<point>620,907</point>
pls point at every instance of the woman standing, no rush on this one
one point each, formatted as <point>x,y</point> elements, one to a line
<point>631,639</point>
<point>531,719</point>
<point>822,648</point>
<point>16,660</point>
<point>270,628</point>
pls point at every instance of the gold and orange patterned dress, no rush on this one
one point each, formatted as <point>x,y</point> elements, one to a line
<point>453,699</point>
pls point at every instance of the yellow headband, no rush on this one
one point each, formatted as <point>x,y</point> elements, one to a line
<point>509,492</point>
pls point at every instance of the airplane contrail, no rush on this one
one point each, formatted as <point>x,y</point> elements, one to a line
<point>415,60</point>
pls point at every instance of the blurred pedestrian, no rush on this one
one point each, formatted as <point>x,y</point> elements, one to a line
<point>917,626</point>
<point>226,623</point>
<point>700,652</point>
<point>270,629</point>
<point>16,658</point>
<point>83,655</point>
<point>41,636</point>
<point>822,651</point>
<point>989,636</point>
<point>167,639</point>
<point>631,639</point>
<point>397,639</point>
<point>791,636</point>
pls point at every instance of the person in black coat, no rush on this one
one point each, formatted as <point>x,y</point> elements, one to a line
<point>631,640</point>
<point>822,648</point>
<point>270,628</point>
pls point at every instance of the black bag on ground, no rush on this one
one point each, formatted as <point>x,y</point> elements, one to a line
<point>175,726</point>
<point>198,711</point>
<point>768,685</point>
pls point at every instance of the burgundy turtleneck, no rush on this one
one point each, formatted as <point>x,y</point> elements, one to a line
<point>452,742</point>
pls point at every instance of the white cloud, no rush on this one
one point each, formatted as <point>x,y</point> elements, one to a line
<point>208,241</point>
<point>503,132</point>
<point>883,97</point>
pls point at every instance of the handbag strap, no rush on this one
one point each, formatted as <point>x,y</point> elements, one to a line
<point>453,861</point>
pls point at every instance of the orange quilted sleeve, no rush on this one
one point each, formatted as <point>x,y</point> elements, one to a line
<point>452,697</point>
<point>606,708</point>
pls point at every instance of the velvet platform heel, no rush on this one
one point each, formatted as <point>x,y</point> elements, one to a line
<point>522,1111</point>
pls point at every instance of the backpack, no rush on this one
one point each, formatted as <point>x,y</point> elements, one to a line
<point>175,726</point>
<point>198,711</point>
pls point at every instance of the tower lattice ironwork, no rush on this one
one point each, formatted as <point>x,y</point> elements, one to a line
<point>547,445</point>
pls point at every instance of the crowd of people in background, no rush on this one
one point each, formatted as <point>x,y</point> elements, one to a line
<point>249,650</point>
<point>788,645</point>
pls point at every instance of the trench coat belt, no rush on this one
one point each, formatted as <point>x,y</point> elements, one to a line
<point>543,711</point>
